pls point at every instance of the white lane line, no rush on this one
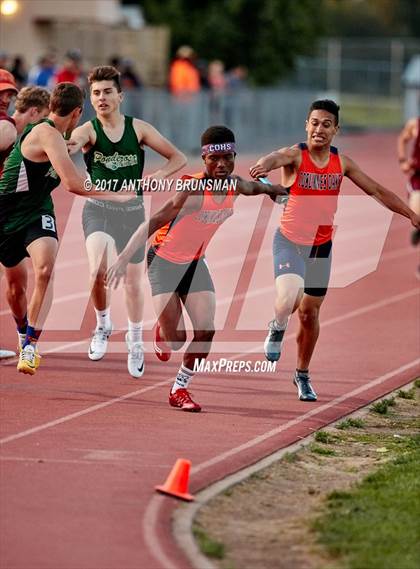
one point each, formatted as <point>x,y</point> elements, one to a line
<point>150,537</point>
<point>60,347</point>
<point>78,414</point>
<point>346,316</point>
<point>156,502</point>
<point>374,306</point>
<point>44,460</point>
<point>229,261</point>
<point>66,418</point>
<point>215,345</point>
<point>301,418</point>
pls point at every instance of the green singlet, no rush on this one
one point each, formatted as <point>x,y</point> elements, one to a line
<point>115,166</point>
<point>25,187</point>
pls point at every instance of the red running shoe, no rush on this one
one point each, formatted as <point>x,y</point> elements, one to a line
<point>182,399</point>
<point>162,350</point>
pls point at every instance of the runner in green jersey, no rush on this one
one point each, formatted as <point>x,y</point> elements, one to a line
<point>34,168</point>
<point>114,155</point>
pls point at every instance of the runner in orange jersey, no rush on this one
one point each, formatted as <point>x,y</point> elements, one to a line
<point>302,244</point>
<point>178,271</point>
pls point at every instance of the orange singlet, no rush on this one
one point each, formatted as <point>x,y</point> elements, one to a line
<point>185,238</point>
<point>308,221</point>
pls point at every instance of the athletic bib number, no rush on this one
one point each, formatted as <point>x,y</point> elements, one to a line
<point>48,223</point>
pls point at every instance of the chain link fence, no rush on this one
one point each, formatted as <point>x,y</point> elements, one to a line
<point>262,119</point>
<point>365,75</point>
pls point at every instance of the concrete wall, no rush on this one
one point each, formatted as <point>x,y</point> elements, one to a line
<point>107,11</point>
<point>93,26</point>
<point>27,31</point>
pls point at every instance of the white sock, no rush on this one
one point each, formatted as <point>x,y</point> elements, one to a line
<point>281,325</point>
<point>22,338</point>
<point>103,318</point>
<point>135,331</point>
<point>183,378</point>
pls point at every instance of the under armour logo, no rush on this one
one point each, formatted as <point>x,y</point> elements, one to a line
<point>286,265</point>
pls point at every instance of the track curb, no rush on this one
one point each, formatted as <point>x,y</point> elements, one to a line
<point>183,516</point>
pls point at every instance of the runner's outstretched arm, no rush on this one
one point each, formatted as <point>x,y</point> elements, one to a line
<point>283,157</point>
<point>249,188</point>
<point>55,148</point>
<point>80,137</point>
<point>382,195</point>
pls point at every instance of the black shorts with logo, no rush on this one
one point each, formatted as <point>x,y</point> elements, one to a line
<point>13,246</point>
<point>181,278</point>
<point>118,221</point>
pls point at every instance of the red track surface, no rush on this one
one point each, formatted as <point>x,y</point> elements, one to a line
<point>83,445</point>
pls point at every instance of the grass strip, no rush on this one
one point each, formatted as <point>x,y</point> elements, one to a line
<point>375,525</point>
<point>207,545</point>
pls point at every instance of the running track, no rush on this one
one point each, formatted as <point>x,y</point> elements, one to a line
<point>83,444</point>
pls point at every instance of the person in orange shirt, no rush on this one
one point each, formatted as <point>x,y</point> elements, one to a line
<point>184,78</point>
<point>178,270</point>
<point>302,244</point>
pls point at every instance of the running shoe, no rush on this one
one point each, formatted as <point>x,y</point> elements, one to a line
<point>304,387</point>
<point>21,341</point>
<point>162,350</point>
<point>27,360</point>
<point>273,342</point>
<point>135,359</point>
<point>6,354</point>
<point>182,399</point>
<point>99,343</point>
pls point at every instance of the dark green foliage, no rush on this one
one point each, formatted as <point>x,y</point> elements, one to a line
<point>264,35</point>
<point>410,394</point>
<point>209,546</point>
<point>382,406</point>
<point>350,422</point>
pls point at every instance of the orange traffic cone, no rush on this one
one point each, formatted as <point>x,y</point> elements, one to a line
<point>177,482</point>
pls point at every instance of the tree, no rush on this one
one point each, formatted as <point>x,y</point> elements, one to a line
<point>264,35</point>
<point>372,18</point>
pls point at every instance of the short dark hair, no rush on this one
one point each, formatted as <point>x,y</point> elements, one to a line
<point>325,105</point>
<point>65,98</point>
<point>105,73</point>
<point>216,134</point>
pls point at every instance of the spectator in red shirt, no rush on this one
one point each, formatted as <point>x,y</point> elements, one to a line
<point>71,71</point>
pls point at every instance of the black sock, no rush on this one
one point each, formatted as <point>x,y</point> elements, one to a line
<point>415,237</point>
